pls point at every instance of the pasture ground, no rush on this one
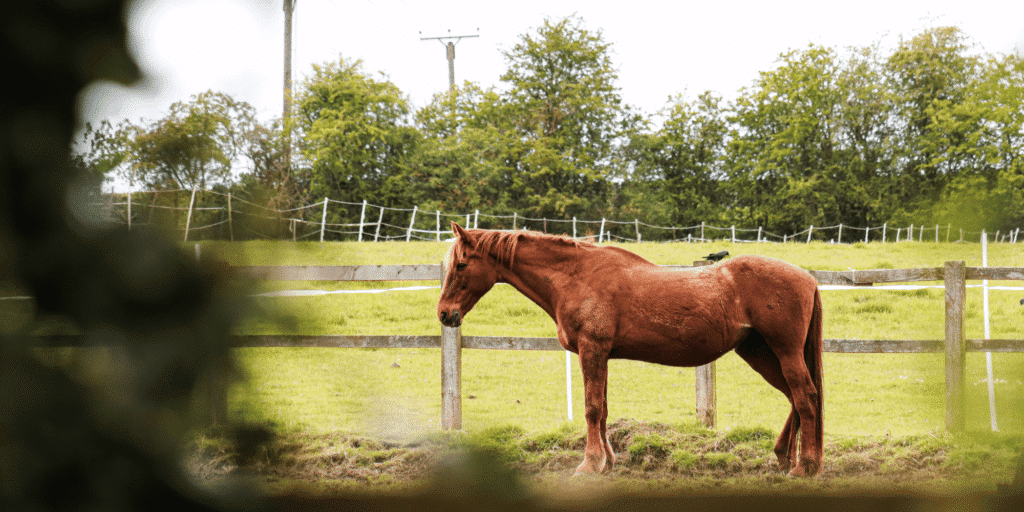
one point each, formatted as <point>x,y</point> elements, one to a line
<point>353,420</point>
<point>653,459</point>
<point>349,420</point>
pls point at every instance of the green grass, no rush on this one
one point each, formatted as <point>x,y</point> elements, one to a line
<point>359,390</point>
<point>354,390</point>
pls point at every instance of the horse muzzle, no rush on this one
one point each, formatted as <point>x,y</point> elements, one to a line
<point>453,319</point>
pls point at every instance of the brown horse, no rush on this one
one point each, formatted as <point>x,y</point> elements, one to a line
<point>610,303</point>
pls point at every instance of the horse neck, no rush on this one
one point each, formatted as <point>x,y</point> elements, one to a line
<point>538,268</point>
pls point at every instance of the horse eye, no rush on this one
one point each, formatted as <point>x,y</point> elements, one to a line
<point>461,266</point>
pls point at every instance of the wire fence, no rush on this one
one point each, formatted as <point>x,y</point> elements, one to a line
<point>213,215</point>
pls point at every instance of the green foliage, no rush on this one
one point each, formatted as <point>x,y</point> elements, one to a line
<point>928,134</point>
<point>466,158</point>
<point>356,135</point>
<point>679,167</point>
<point>194,146</point>
<point>566,115</point>
<point>102,150</point>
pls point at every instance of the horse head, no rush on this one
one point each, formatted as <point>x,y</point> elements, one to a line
<point>470,272</point>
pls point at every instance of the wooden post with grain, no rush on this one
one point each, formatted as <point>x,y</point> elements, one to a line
<point>954,275</point>
<point>451,374</point>
<point>705,384</point>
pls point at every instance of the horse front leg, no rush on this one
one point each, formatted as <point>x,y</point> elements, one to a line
<point>598,454</point>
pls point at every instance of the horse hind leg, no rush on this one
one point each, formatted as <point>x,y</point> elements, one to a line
<point>755,351</point>
<point>805,400</point>
<point>608,451</point>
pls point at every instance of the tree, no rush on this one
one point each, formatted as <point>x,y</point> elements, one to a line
<point>983,134</point>
<point>269,180</point>
<point>565,110</point>
<point>195,146</point>
<point>782,155</point>
<point>355,135</point>
<point>930,75</point>
<point>866,151</point>
<point>680,167</point>
<point>464,158</point>
<point>102,151</point>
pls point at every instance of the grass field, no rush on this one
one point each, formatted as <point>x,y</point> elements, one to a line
<point>396,392</point>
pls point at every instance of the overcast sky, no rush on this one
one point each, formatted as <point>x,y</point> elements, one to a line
<point>660,48</point>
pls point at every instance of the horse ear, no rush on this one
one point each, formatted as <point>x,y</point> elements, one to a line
<point>462,233</point>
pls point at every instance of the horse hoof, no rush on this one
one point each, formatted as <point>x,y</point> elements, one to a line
<point>587,469</point>
<point>802,471</point>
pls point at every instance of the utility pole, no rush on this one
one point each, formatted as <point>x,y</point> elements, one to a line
<point>450,51</point>
<point>286,116</point>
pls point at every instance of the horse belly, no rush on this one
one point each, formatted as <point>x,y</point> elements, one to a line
<point>672,351</point>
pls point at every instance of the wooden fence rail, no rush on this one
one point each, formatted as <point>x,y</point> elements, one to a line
<point>953,274</point>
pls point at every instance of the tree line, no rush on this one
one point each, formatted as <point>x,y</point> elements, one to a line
<point>929,133</point>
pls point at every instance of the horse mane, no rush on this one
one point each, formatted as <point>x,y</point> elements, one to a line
<point>503,244</point>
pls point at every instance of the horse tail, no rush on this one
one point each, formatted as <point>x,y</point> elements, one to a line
<point>813,360</point>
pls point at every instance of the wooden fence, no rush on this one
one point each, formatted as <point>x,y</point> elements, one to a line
<point>210,215</point>
<point>954,275</point>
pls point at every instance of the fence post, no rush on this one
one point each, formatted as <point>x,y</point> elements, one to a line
<point>362,220</point>
<point>129,210</point>
<point>323,220</point>
<point>936,233</point>
<point>437,226</point>
<point>954,275</point>
<point>701,231</point>
<point>884,225</point>
<point>810,230</point>
<point>839,237</point>
<point>759,234</point>
<point>600,237</point>
<point>705,385</point>
<point>637,224</point>
<point>380,220</point>
<point>574,227</point>
<point>733,231</point>
<point>188,220</point>
<point>451,374</point>
<point>866,231</point>
<point>110,205</point>
<point>408,234</point>
<point>515,216</point>
<point>476,220</point>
